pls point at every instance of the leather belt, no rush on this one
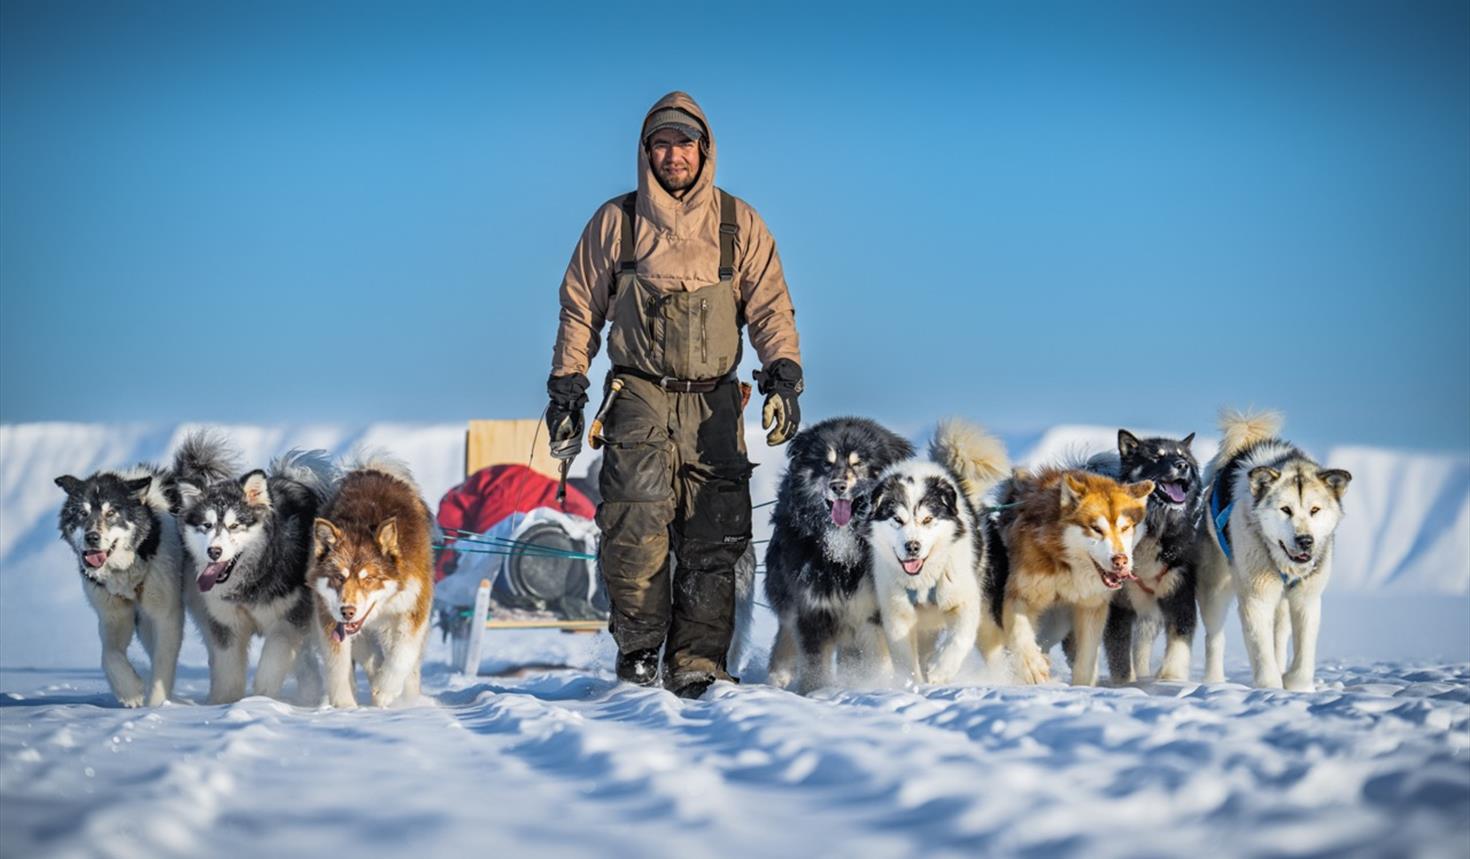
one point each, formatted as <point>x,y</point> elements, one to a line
<point>678,386</point>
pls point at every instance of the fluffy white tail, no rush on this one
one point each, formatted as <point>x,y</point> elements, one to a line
<point>204,457</point>
<point>1241,430</point>
<point>976,458</point>
<point>377,459</point>
<point>313,469</point>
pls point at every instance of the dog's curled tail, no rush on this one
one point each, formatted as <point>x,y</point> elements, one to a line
<point>205,456</point>
<point>1240,430</point>
<point>379,460</point>
<point>976,458</point>
<point>313,469</point>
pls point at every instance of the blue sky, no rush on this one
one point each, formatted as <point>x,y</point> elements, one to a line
<point>1120,214</point>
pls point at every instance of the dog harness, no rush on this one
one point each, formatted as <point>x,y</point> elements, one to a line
<point>1222,518</point>
<point>916,599</point>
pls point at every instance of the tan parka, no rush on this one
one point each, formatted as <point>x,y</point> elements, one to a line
<point>678,248</point>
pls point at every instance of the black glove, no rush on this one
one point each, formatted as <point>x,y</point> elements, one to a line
<point>781,383</point>
<point>564,415</point>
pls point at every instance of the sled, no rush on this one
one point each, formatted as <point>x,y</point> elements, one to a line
<point>494,443</point>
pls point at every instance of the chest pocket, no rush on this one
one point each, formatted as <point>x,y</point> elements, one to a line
<point>684,335</point>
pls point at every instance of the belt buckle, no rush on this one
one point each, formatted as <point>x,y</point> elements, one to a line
<point>668,383</point>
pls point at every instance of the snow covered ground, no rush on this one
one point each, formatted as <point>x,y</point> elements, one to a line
<point>558,760</point>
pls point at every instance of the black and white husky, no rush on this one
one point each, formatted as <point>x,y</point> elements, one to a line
<point>1164,558</point>
<point>929,553</point>
<point>1272,512</point>
<point>817,577</point>
<point>121,525</point>
<point>250,543</point>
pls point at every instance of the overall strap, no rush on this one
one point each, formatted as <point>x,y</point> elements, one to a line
<point>728,231</point>
<point>626,262</point>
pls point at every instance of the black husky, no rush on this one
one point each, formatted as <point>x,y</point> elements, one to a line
<point>817,576</point>
<point>1164,559</point>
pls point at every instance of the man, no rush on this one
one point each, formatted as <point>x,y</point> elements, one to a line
<point>678,267</point>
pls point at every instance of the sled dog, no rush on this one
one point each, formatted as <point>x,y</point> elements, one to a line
<point>817,578</point>
<point>1068,538</point>
<point>1272,512</point>
<point>122,526</point>
<point>249,540</point>
<point>372,574</point>
<point>928,551</point>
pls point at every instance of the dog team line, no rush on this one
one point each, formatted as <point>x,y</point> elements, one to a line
<point>881,562</point>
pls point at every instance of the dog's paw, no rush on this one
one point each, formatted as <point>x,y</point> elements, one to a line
<point>1266,681</point>
<point>131,701</point>
<point>1298,682</point>
<point>341,702</point>
<point>1032,667</point>
<point>781,679</point>
<point>156,698</point>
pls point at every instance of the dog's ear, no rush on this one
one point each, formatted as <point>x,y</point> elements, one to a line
<point>1141,489</point>
<point>326,535</point>
<point>70,485</point>
<point>1187,441</point>
<point>1336,480</point>
<point>1127,443</point>
<point>1261,477</point>
<point>138,487</point>
<point>1073,488</point>
<point>257,489</point>
<point>387,537</point>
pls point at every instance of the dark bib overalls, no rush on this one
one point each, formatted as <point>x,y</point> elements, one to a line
<point>674,469</point>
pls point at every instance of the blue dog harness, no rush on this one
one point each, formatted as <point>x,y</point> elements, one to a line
<point>1222,518</point>
<point>917,599</point>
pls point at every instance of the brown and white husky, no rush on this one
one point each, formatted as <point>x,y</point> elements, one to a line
<point>372,576</point>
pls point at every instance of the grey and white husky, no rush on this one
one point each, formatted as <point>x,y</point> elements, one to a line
<point>249,542</point>
<point>121,525</point>
<point>1272,513</point>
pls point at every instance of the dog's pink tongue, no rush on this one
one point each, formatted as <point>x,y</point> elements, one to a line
<point>209,576</point>
<point>841,512</point>
<point>339,632</point>
<point>913,566</point>
<point>95,559</point>
<point>1175,492</point>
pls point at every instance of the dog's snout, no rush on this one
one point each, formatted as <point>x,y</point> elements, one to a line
<point>93,539</point>
<point>912,547</point>
<point>1120,561</point>
<point>348,611</point>
<point>838,487</point>
<point>215,552</point>
<point>1304,541</point>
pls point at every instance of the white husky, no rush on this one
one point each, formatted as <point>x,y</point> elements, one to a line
<point>1272,514</point>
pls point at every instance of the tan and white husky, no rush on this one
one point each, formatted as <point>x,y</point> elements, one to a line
<point>372,576</point>
<point>1068,537</point>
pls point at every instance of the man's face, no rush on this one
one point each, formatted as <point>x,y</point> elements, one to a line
<point>675,159</point>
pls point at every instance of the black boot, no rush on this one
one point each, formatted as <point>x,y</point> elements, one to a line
<point>693,688</point>
<point>639,667</point>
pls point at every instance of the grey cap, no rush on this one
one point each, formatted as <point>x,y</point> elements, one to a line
<point>673,117</point>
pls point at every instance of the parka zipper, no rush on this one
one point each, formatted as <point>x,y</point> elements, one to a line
<point>703,330</point>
